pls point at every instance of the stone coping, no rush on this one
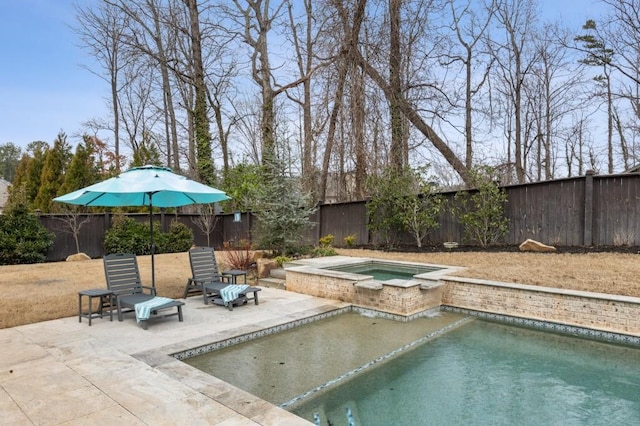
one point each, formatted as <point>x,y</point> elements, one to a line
<point>548,326</point>
<point>318,266</point>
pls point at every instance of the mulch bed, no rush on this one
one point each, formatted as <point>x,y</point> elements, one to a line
<point>438,248</point>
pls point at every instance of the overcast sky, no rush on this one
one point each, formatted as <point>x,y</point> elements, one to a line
<point>45,89</point>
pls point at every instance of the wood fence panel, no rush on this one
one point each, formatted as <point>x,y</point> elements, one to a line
<point>344,219</point>
<point>549,212</point>
<point>585,210</point>
<point>616,210</point>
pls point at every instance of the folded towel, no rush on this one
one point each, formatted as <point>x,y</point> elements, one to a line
<point>143,309</point>
<point>231,292</point>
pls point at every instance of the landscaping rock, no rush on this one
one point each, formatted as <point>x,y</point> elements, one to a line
<point>77,256</point>
<point>533,245</point>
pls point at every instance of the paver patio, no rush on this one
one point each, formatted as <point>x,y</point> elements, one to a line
<point>65,372</point>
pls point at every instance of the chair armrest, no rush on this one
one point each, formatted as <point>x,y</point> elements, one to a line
<point>201,282</point>
<point>152,290</point>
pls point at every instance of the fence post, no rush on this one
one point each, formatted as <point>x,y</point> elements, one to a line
<point>587,239</point>
<point>319,225</point>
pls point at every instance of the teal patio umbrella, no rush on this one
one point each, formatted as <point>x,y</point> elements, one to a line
<point>151,186</point>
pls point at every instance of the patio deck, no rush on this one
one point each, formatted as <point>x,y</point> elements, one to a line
<point>65,372</point>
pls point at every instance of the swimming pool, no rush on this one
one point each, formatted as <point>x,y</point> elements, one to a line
<point>488,373</point>
<point>478,373</point>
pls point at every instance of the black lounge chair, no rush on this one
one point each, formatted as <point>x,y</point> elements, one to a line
<point>123,278</point>
<point>206,279</point>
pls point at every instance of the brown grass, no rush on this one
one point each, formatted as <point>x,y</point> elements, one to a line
<point>33,293</point>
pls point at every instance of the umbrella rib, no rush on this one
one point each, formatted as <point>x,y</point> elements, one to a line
<point>94,199</point>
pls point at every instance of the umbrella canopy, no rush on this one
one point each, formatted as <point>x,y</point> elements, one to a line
<point>145,186</point>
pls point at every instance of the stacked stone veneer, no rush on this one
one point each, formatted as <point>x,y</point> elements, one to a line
<point>406,299</point>
<point>604,312</point>
<point>619,314</point>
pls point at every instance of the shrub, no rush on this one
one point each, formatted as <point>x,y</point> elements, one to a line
<point>350,240</point>
<point>128,236</point>
<point>179,238</point>
<point>239,256</point>
<point>327,240</point>
<point>23,239</point>
<point>281,260</point>
<point>481,212</point>
<point>403,201</point>
<point>323,252</point>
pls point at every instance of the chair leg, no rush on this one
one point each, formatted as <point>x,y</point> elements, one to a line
<point>186,289</point>
<point>119,310</point>
<point>204,295</point>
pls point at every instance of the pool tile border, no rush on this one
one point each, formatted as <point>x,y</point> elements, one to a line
<point>221,344</point>
<point>598,335</point>
<point>588,333</point>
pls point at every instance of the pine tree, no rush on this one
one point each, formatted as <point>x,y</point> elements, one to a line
<point>53,170</point>
<point>146,154</point>
<point>82,169</point>
<point>282,211</point>
<point>33,173</point>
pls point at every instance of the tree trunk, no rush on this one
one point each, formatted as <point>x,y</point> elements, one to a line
<point>395,87</point>
<point>200,117</point>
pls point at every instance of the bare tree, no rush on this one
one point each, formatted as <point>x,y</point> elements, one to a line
<point>552,92</point>
<point>101,31</point>
<point>206,220</point>
<point>72,223</point>
<point>471,23</point>
<point>516,56</point>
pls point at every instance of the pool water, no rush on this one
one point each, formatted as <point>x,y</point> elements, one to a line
<point>382,271</point>
<point>284,365</point>
<point>484,373</point>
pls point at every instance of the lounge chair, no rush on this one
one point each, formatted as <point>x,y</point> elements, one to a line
<point>206,279</point>
<point>123,278</point>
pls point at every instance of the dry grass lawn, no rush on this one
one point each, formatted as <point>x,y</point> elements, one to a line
<point>33,293</point>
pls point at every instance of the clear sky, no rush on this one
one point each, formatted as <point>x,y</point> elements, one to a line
<point>45,89</point>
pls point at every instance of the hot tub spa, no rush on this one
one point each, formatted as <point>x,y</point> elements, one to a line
<point>401,288</point>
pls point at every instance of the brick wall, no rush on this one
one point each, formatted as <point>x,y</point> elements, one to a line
<point>604,312</point>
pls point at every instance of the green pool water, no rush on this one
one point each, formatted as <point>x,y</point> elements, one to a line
<point>470,372</point>
<point>383,271</point>
<point>483,373</point>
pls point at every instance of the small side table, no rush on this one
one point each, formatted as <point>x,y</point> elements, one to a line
<point>106,299</point>
<point>234,274</point>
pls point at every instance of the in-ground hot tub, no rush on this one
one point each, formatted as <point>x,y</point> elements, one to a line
<point>402,288</point>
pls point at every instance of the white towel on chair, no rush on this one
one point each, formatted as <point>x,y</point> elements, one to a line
<point>143,309</point>
<point>231,292</point>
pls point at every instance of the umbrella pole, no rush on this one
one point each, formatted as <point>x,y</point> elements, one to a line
<point>153,244</point>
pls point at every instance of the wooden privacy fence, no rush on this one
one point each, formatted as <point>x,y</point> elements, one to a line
<point>582,211</point>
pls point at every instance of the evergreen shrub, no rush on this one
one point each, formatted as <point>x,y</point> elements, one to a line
<point>23,239</point>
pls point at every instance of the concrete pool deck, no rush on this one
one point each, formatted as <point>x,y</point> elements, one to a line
<point>65,372</point>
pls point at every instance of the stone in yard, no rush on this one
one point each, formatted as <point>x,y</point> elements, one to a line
<point>533,245</point>
<point>77,256</point>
